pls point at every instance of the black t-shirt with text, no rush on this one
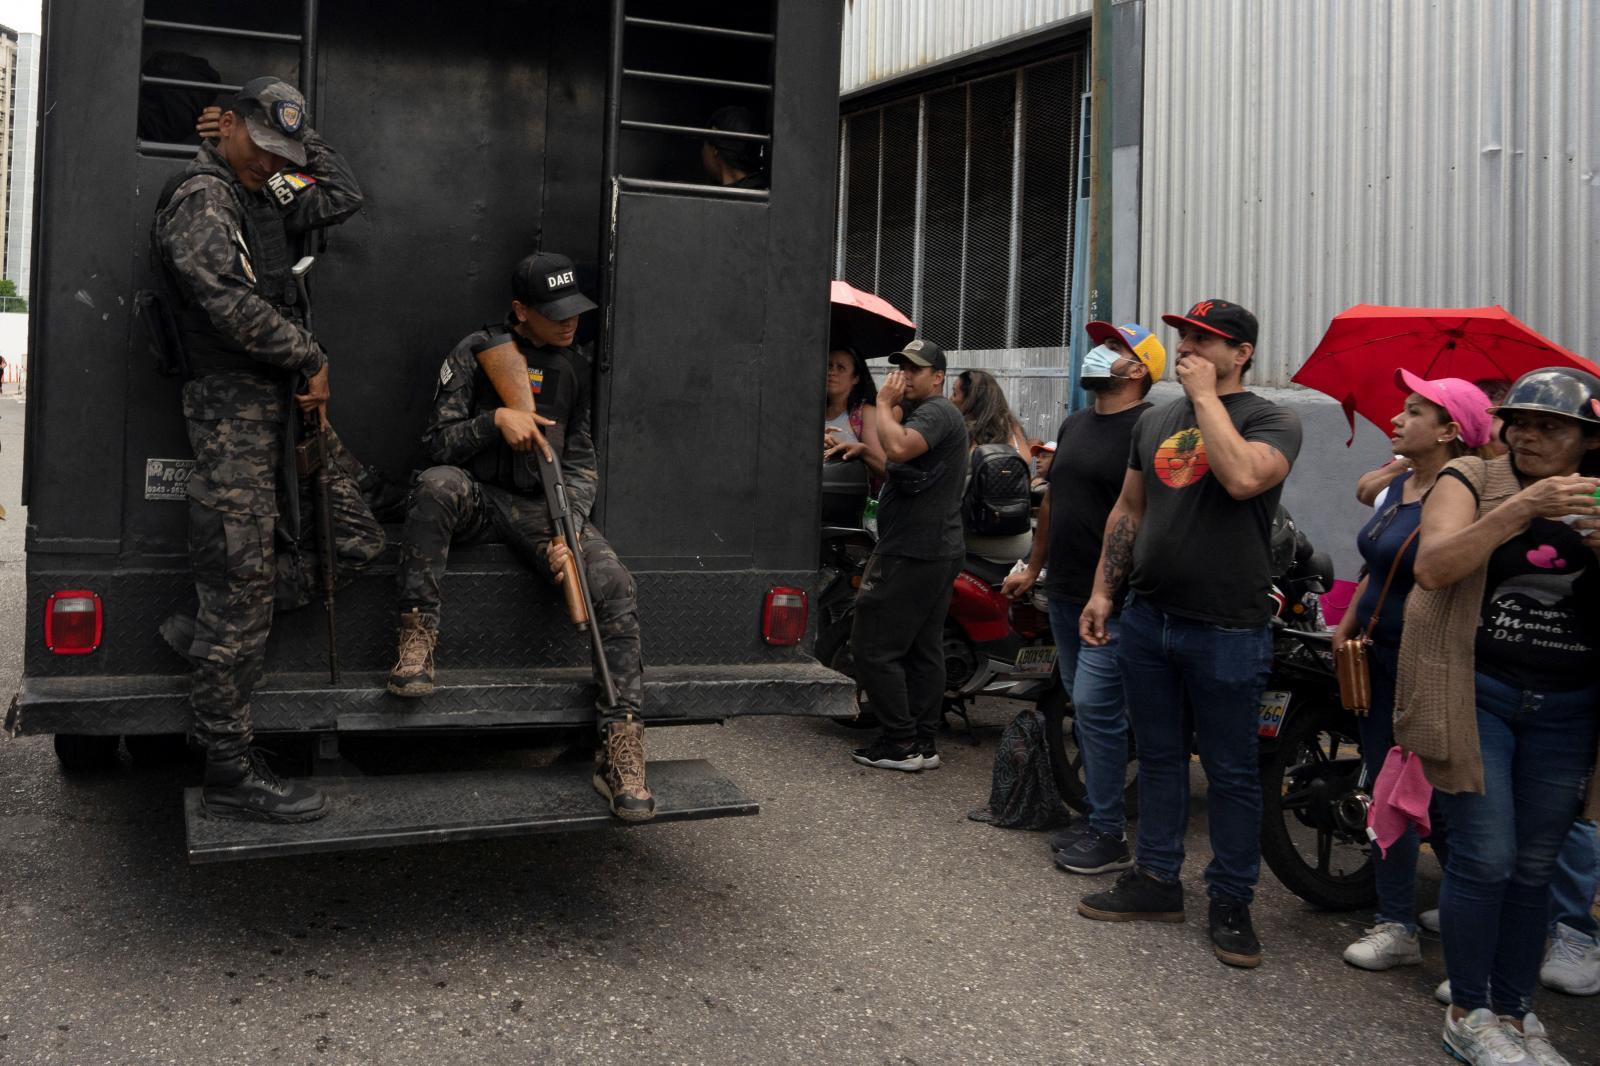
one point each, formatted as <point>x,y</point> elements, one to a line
<point>1086,476</point>
<point>919,510</point>
<point>1200,553</point>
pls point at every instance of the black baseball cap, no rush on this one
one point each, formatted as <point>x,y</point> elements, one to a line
<point>920,353</point>
<point>1220,317</point>
<point>548,283</point>
<point>274,115</point>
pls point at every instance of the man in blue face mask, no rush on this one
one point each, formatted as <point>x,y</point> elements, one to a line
<point>1086,476</point>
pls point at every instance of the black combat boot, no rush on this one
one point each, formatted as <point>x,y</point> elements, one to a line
<point>412,675</point>
<point>244,788</point>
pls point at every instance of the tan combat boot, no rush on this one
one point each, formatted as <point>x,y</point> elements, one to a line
<point>412,675</point>
<point>619,772</point>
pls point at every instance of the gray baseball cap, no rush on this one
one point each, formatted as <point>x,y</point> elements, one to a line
<point>274,113</point>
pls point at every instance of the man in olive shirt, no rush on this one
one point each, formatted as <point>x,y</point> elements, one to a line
<point>1191,533</point>
<point>897,637</point>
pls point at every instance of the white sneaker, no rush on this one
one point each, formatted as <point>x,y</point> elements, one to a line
<point>1535,1040</point>
<point>1442,993</point>
<point>1572,965</point>
<point>1480,1040</point>
<point>1429,920</point>
<point>1384,946</point>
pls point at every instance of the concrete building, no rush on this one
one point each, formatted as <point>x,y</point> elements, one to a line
<point>23,120</point>
<point>8,80</point>
<point>1297,158</point>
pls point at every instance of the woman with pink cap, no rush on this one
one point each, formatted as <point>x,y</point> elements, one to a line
<point>1440,420</point>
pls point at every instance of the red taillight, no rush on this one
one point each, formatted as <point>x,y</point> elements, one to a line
<point>72,622</point>
<point>783,616</point>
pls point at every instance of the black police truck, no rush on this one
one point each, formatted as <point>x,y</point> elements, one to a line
<point>480,130</point>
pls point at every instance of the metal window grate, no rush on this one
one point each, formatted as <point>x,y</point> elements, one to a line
<point>957,205</point>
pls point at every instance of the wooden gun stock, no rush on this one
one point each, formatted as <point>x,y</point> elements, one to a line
<point>503,364</point>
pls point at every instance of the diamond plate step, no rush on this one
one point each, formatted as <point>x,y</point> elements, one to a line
<point>385,812</point>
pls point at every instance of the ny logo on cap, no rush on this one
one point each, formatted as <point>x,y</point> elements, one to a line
<point>1201,309</point>
<point>288,115</point>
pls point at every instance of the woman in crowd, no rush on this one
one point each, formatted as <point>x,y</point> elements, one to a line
<point>989,421</point>
<point>1442,420</point>
<point>1497,693</point>
<point>850,419</point>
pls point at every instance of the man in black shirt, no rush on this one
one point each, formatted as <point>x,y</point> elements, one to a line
<point>897,637</point>
<point>1086,477</point>
<point>1191,532</point>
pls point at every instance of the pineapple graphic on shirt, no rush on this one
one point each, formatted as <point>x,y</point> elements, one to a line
<point>1181,459</point>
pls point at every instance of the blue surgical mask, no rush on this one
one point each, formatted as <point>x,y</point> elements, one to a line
<point>1098,361</point>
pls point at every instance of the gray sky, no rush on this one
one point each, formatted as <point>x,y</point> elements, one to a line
<point>20,15</point>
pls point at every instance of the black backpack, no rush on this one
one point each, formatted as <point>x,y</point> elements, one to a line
<point>996,500</point>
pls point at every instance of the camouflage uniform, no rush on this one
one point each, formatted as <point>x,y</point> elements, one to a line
<point>484,491</point>
<point>224,251</point>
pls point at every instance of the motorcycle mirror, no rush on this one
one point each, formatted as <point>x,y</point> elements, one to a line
<point>303,267</point>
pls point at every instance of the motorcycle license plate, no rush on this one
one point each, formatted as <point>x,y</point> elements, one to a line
<point>1274,705</point>
<point>1036,661</point>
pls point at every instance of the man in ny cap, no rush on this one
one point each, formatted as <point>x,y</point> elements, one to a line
<point>897,638</point>
<point>486,487</point>
<point>221,245</point>
<point>1190,535</point>
<point>1085,480</point>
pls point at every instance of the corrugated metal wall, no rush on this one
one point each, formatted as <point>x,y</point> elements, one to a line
<point>1302,157</point>
<point>883,38</point>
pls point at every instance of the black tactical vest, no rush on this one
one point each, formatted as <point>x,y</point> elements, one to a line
<point>268,244</point>
<point>559,391</point>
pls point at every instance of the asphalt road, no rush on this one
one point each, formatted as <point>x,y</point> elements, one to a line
<point>860,919</point>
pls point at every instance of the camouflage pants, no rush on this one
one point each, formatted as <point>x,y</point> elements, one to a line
<point>240,573</point>
<point>358,537</point>
<point>449,506</point>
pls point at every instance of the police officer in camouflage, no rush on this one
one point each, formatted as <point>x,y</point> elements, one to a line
<point>222,239</point>
<point>487,487</point>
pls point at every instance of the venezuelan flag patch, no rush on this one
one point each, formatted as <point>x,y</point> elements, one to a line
<point>299,181</point>
<point>536,379</point>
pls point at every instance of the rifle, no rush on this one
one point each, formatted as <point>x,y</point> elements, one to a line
<point>507,371</point>
<point>311,460</point>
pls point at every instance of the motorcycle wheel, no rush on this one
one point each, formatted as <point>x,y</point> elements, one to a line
<point>1316,760</point>
<point>1066,758</point>
<point>833,651</point>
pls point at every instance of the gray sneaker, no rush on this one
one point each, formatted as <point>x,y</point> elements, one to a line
<point>1383,947</point>
<point>1095,853</point>
<point>1479,1039</point>
<point>1535,1041</point>
<point>1572,964</point>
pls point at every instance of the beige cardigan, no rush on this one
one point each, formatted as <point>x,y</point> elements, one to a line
<point>1435,706</point>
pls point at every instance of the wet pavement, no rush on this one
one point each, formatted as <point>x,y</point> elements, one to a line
<point>861,918</point>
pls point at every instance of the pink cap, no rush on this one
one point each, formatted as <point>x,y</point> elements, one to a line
<point>1465,403</point>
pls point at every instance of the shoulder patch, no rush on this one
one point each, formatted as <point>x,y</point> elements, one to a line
<point>445,374</point>
<point>244,257</point>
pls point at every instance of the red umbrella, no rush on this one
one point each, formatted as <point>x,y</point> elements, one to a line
<point>868,323</point>
<point>1364,346</point>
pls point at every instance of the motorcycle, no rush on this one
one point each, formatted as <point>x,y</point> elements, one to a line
<point>1314,803</point>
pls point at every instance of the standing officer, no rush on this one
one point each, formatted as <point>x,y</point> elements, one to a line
<point>221,236</point>
<point>487,488</point>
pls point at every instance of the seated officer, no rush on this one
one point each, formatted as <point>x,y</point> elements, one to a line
<point>487,488</point>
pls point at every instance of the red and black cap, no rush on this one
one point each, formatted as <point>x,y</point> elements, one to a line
<point>1220,317</point>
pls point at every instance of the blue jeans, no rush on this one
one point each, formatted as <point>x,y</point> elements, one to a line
<point>1538,751</point>
<point>1572,889</point>
<point>1170,665</point>
<point>1100,714</point>
<point>1395,872</point>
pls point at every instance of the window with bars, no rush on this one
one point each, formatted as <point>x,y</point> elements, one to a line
<point>956,205</point>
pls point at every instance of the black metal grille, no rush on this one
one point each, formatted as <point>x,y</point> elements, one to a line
<point>958,205</point>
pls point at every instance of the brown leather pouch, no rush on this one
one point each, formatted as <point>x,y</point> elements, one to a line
<point>1355,682</point>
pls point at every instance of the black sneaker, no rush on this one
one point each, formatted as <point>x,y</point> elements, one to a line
<point>244,788</point>
<point>930,755</point>
<point>1095,853</point>
<point>1232,936</point>
<point>1136,897</point>
<point>1062,839</point>
<point>886,756</point>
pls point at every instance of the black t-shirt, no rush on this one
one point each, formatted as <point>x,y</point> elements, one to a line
<point>1540,624</point>
<point>1086,476</point>
<point>1200,553</point>
<point>919,510</point>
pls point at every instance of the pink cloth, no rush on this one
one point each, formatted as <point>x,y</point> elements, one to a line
<point>1400,800</point>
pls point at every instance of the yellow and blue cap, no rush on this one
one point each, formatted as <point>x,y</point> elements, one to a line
<point>1146,347</point>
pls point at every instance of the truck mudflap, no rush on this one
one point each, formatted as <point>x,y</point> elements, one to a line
<point>390,811</point>
<point>462,699</point>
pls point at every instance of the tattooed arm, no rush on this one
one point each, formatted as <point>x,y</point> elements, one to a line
<point>1116,559</point>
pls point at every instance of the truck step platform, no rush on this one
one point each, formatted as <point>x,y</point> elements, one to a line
<point>388,811</point>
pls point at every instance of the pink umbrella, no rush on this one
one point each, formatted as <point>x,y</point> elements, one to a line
<point>866,322</point>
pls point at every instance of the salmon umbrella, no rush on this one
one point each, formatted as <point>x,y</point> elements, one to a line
<point>1356,359</point>
<point>866,322</point>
